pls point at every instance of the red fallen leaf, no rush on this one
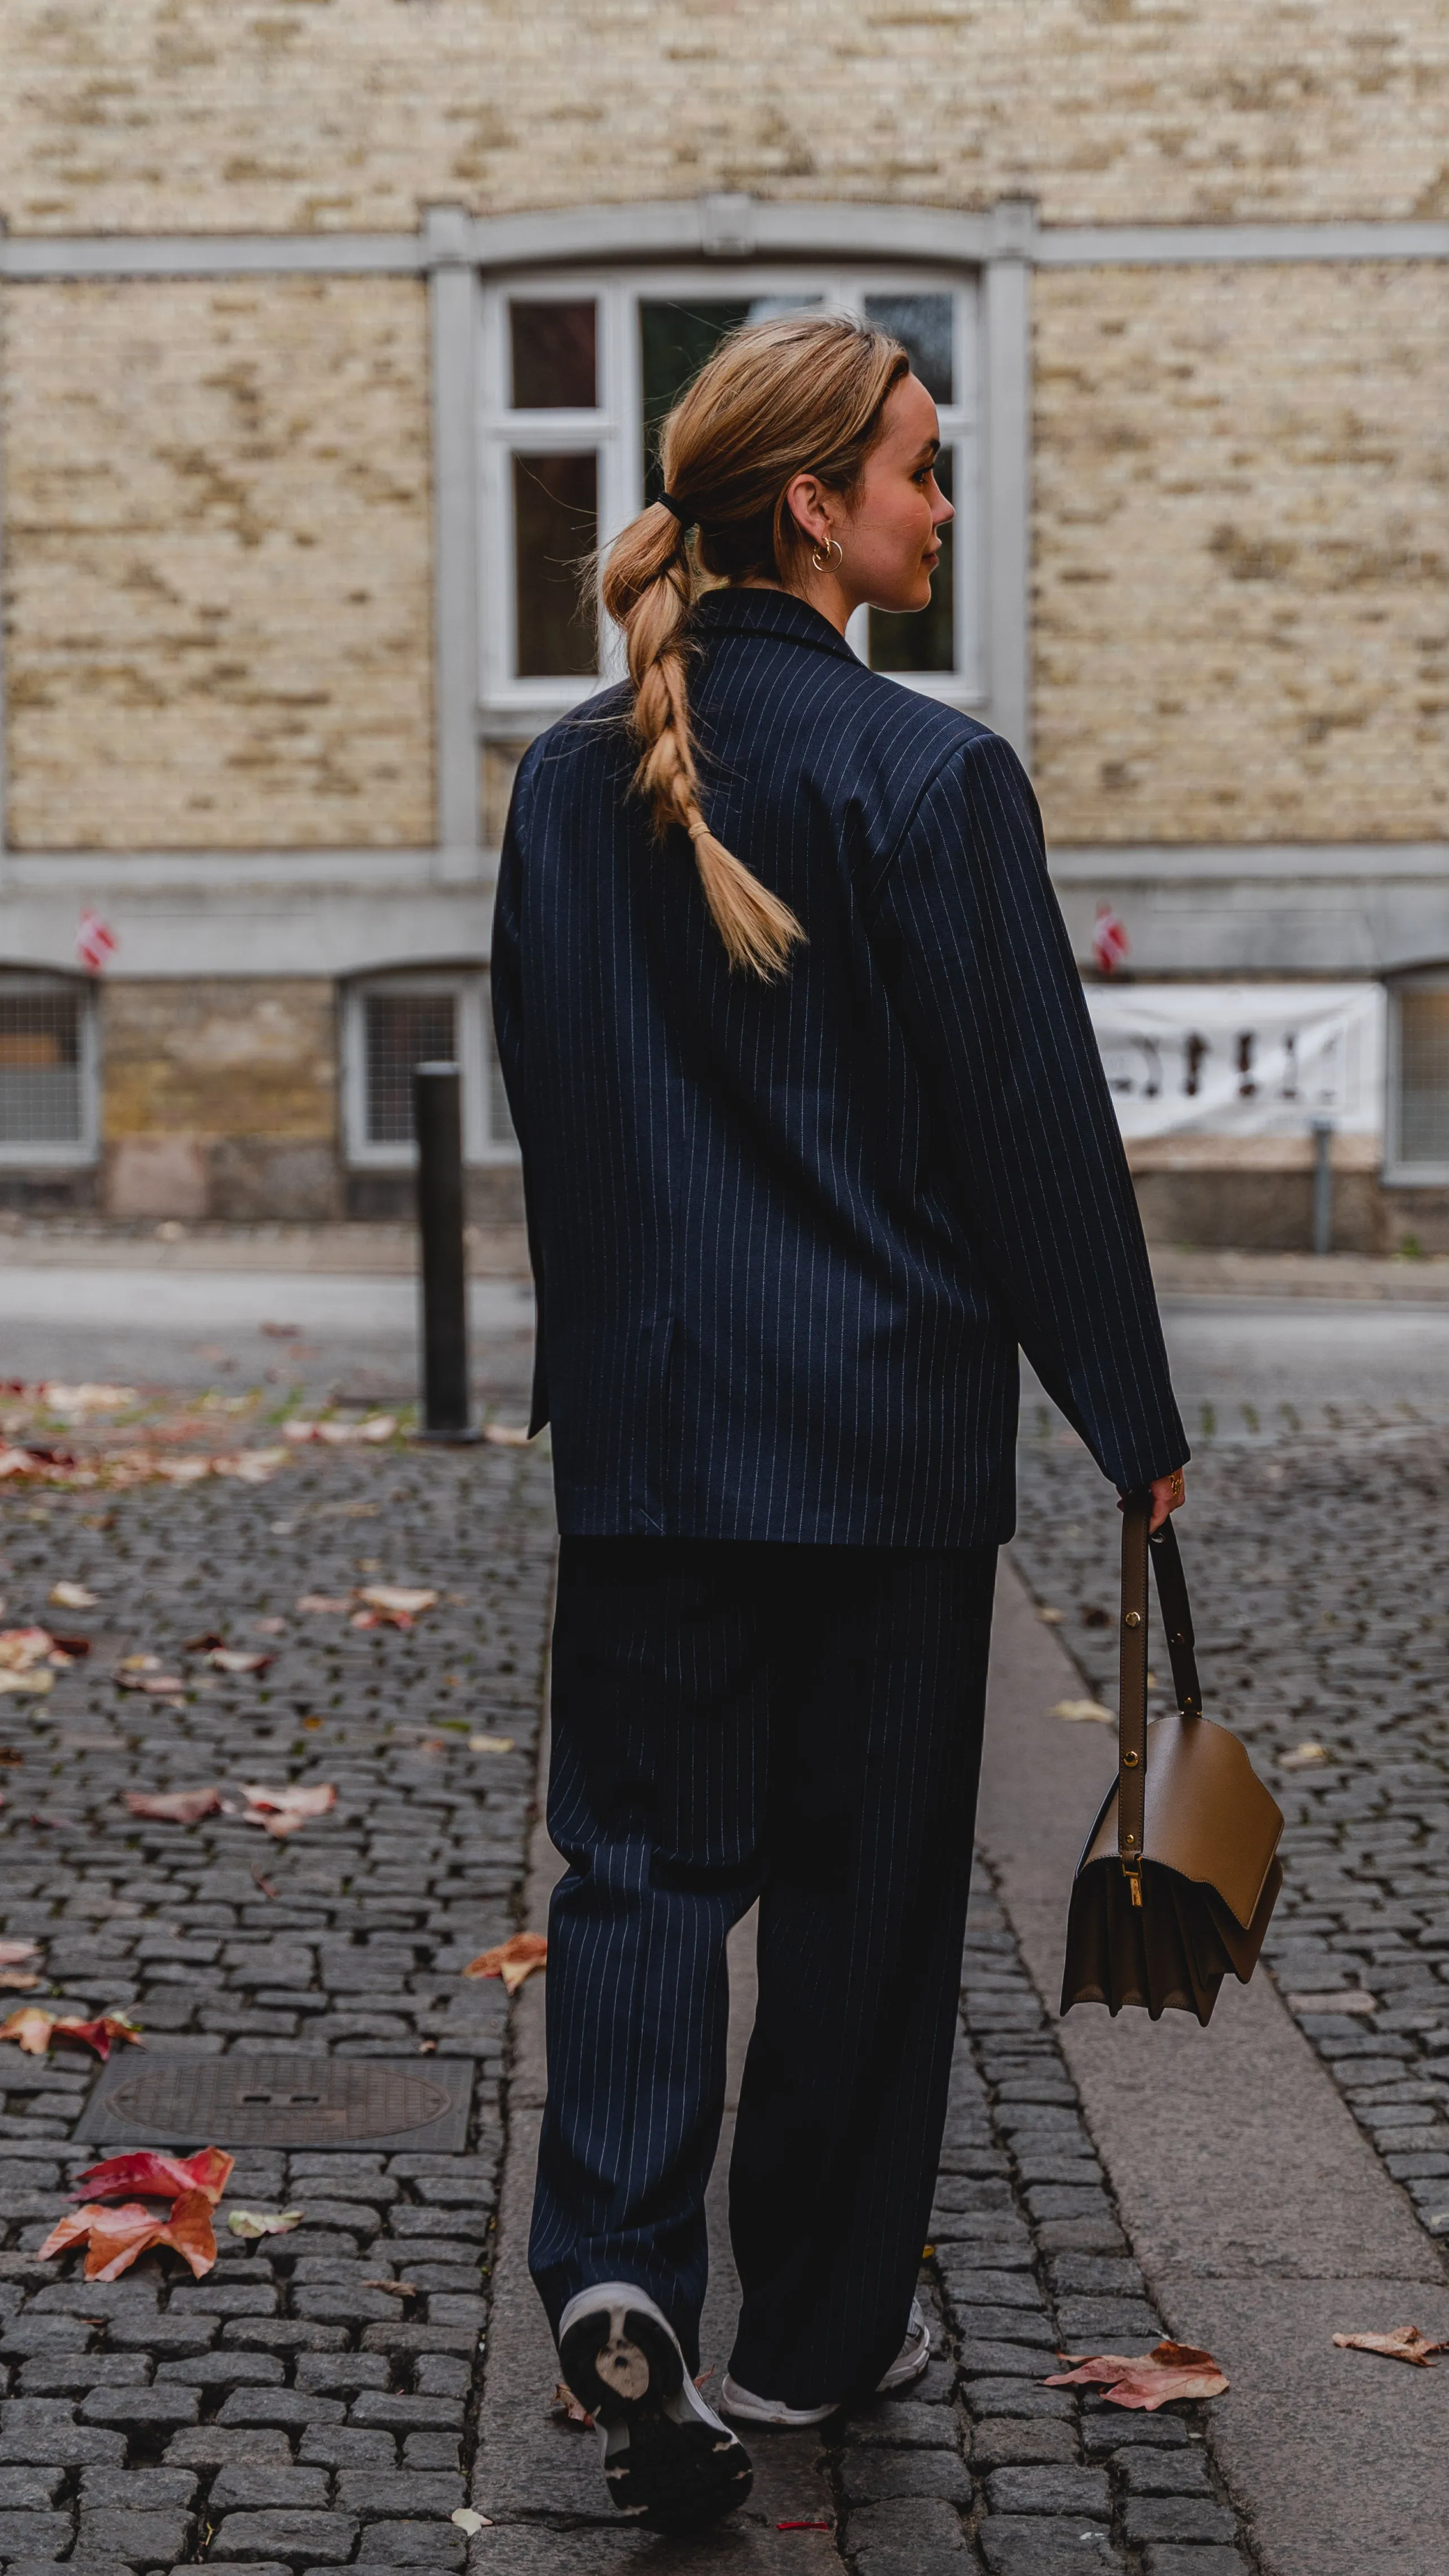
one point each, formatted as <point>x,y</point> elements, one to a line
<point>35,2030</point>
<point>1148,2380</point>
<point>174,1806</point>
<point>1405,2343</point>
<point>74,1647</point>
<point>512,1960</point>
<point>114,2238</point>
<point>164,2177</point>
<point>283,1811</point>
<point>563,2403</point>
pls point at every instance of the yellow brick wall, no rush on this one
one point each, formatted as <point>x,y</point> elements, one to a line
<point>1241,615</point>
<point>217,560</point>
<point>344,114</point>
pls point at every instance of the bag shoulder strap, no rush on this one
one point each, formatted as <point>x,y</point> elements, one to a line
<point>1132,1705</point>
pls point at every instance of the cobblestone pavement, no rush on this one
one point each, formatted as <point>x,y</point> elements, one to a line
<point>1319,1573</point>
<point>284,2412</point>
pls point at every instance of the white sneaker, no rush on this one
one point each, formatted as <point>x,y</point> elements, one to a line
<point>668,2459</point>
<point>909,2363</point>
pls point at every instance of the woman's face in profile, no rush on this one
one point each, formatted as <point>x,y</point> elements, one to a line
<point>892,541</point>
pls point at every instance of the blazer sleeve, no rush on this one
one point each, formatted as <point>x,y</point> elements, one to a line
<point>506,987</point>
<point>975,950</point>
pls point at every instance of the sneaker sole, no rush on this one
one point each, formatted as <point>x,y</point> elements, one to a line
<point>673,2473</point>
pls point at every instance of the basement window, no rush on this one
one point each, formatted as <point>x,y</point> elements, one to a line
<point>1419,1080</point>
<point>47,1070</point>
<point>393,1023</point>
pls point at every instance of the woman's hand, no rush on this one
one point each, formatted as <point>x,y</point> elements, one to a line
<point>1168,1495</point>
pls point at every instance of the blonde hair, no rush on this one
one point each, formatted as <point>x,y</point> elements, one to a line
<point>800,395</point>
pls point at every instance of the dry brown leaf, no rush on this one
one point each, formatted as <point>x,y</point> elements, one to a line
<point>512,1960</point>
<point>394,2289</point>
<point>1147,2380</point>
<point>12,1952</point>
<point>284,1811</point>
<point>232,1659</point>
<point>174,1806</point>
<point>1404,2343</point>
<point>1303,1757</point>
<point>391,1605</point>
<point>323,1605</point>
<point>115,2237</point>
<point>16,1980</point>
<point>264,2222</point>
<point>35,2030</point>
<point>73,1596</point>
<point>490,1743</point>
<point>23,1649</point>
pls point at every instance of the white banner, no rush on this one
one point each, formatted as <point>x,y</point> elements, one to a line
<point>1242,1059</point>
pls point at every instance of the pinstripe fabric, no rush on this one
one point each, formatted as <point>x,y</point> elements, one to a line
<point>797,1723</point>
<point>787,1239</point>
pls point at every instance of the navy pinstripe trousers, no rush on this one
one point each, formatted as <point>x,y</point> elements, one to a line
<point>801,1724</point>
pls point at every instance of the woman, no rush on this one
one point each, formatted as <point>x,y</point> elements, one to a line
<point>814,1134</point>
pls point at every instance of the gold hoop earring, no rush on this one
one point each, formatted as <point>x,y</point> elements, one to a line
<point>832,547</point>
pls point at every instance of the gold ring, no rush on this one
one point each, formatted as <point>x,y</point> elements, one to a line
<point>1176,1486</point>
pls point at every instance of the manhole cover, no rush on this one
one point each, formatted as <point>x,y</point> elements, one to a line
<point>281,2102</point>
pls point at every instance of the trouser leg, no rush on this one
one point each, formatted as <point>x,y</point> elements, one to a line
<point>660,1717</point>
<point>879,1698</point>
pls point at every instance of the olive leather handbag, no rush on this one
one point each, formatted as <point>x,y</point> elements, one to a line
<point>1181,1869</point>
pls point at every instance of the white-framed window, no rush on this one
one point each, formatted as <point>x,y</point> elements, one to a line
<point>393,1022</point>
<point>1418,1087</point>
<point>47,1069</point>
<point>577,372</point>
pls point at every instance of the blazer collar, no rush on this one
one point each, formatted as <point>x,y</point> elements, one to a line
<point>768,612</point>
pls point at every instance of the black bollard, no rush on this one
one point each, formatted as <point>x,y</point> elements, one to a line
<point>1322,1186</point>
<point>438,1119</point>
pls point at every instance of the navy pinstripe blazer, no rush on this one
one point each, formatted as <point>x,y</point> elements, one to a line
<point>788,1237</point>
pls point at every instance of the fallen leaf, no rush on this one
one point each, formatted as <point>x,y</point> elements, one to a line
<point>139,1664</point>
<point>73,1596</point>
<point>165,2177</point>
<point>1354,1999</point>
<point>490,1744</point>
<point>1405,2343</point>
<point>1084,1708</point>
<point>391,1605</point>
<point>426,2047</point>
<point>268,1628</point>
<point>1053,1618</point>
<point>323,1605</point>
<point>338,1435</point>
<point>12,1952</point>
<point>1147,2380</point>
<point>115,2238</point>
<point>469,2521</point>
<point>563,2402</point>
<point>264,2222</point>
<point>284,1811</point>
<point>174,1806</point>
<point>394,2289</point>
<point>1302,1757</point>
<point>507,1435</point>
<point>69,1649</point>
<point>203,1644</point>
<point>35,1684</point>
<point>22,1649</point>
<point>231,1659</point>
<point>11,1753</point>
<point>35,2030</point>
<point>156,1685</point>
<point>512,1960</point>
<point>16,1981</point>
<point>85,1398</point>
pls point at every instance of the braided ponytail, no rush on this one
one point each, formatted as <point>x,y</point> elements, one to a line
<point>780,398</point>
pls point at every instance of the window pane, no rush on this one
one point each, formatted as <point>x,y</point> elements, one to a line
<point>402,1030</point>
<point>40,1073</point>
<point>1424,1078</point>
<point>923,324</point>
<point>674,342</point>
<point>925,642</point>
<point>555,526</point>
<point>555,362</point>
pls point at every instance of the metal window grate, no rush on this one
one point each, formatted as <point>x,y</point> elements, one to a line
<point>500,1121</point>
<point>40,1067</point>
<point>402,1030</point>
<point>1424,1078</point>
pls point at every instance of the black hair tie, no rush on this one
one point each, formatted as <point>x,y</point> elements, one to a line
<point>680,510</point>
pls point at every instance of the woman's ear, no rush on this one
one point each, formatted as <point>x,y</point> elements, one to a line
<point>804,499</point>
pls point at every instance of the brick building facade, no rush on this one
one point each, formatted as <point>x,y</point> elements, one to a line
<point>329,327</point>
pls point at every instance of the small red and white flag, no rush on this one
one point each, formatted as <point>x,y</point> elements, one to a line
<point>1110,944</point>
<point>95,940</point>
